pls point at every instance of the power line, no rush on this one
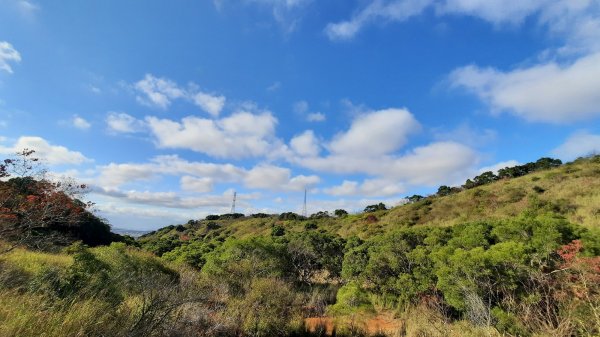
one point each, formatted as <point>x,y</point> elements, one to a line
<point>233,203</point>
<point>304,208</point>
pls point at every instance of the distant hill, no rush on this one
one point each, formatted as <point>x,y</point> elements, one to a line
<point>129,232</point>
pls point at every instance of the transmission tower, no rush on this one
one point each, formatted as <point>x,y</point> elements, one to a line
<point>233,203</point>
<point>304,207</point>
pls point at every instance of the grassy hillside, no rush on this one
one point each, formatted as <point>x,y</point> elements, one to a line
<point>572,191</point>
<point>512,257</point>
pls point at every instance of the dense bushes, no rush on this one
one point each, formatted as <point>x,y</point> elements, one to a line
<point>490,273</point>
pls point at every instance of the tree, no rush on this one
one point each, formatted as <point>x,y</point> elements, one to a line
<point>37,211</point>
<point>313,251</point>
<point>447,190</point>
<point>415,198</point>
<point>545,163</point>
<point>289,216</point>
<point>320,215</point>
<point>482,179</point>
<point>340,213</point>
<point>374,208</point>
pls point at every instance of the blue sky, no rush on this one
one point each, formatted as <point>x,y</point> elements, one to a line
<point>166,108</point>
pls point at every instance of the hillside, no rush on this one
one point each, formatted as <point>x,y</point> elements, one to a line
<point>571,190</point>
<point>511,257</point>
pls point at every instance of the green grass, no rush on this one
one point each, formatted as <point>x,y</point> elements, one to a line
<point>33,262</point>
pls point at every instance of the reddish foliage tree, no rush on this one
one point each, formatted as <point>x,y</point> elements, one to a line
<point>32,206</point>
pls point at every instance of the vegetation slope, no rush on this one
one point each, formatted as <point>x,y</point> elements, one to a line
<point>513,254</point>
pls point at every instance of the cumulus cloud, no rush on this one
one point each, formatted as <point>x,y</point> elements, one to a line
<point>172,199</point>
<point>158,92</point>
<point>80,123</point>
<point>548,92</point>
<point>195,184</point>
<point>372,146</point>
<point>577,145</point>
<point>305,144</point>
<point>302,108</point>
<point>576,21</point>
<point>119,122</point>
<point>277,178</point>
<point>560,91</point>
<point>8,54</point>
<point>52,154</point>
<point>369,188</point>
<point>161,92</point>
<point>210,103</point>
<point>376,133</point>
<point>433,164</point>
<point>114,175</point>
<point>240,135</point>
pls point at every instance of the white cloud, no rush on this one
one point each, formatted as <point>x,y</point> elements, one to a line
<point>114,175</point>
<point>577,21</point>
<point>494,11</point>
<point>172,199</point>
<point>8,54</point>
<point>240,135</point>
<point>209,103</point>
<point>579,144</point>
<point>432,164</point>
<point>80,123</point>
<point>369,188</point>
<point>119,122</point>
<point>548,92</point>
<point>277,178</point>
<point>466,134</point>
<point>301,107</point>
<point>194,184</point>
<point>305,144</point>
<point>52,154</point>
<point>315,117</point>
<point>376,11</point>
<point>496,167</point>
<point>371,146</point>
<point>376,133</point>
<point>158,92</point>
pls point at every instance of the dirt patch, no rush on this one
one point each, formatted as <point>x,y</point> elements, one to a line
<point>323,326</point>
<point>382,323</point>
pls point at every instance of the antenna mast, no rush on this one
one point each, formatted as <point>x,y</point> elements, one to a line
<point>233,203</point>
<point>304,208</point>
